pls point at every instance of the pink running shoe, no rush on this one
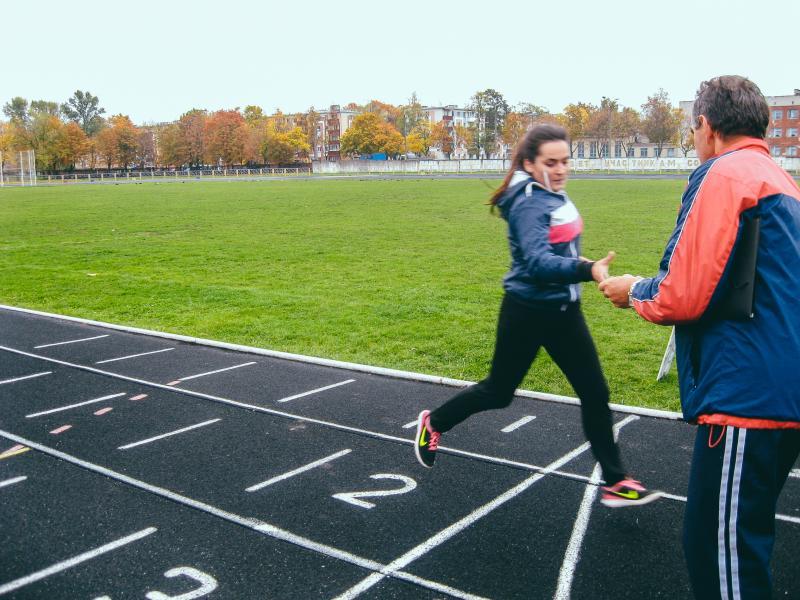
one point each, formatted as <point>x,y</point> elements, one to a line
<point>628,492</point>
<point>427,440</point>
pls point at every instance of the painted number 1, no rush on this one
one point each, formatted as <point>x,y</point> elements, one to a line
<point>353,497</point>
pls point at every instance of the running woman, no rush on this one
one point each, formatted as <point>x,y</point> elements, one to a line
<point>541,308</point>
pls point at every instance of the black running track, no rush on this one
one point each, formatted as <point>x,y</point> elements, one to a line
<point>134,466</point>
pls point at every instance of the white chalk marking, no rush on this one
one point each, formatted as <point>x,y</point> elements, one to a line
<point>108,360</point>
<point>247,364</point>
<point>63,408</point>
<point>139,397</point>
<point>250,523</point>
<point>322,389</point>
<point>164,435</point>
<point>64,565</point>
<point>573,553</point>
<point>410,424</point>
<point>97,337</point>
<point>61,429</point>
<point>794,473</point>
<point>462,524</point>
<point>297,471</point>
<point>25,377</point>
<point>103,411</point>
<point>13,480</point>
<point>518,424</point>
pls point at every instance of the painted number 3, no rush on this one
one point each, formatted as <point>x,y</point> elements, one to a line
<point>353,497</point>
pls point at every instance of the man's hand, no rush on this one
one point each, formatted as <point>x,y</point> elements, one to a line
<point>616,289</point>
<point>600,267</point>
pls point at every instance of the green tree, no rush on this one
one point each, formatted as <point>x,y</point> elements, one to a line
<point>45,107</point>
<point>17,110</point>
<point>84,109</point>
<point>490,110</point>
<point>410,115</point>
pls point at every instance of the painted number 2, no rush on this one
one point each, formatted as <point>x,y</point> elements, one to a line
<point>207,584</point>
<point>353,497</point>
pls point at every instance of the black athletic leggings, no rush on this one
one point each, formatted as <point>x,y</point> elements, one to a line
<point>521,331</point>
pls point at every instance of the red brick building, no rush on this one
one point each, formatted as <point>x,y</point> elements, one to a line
<point>783,135</point>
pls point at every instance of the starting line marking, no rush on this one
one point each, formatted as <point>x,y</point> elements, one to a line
<point>62,408</point>
<point>108,360</point>
<point>97,337</point>
<point>13,480</point>
<point>518,424</point>
<point>164,435</point>
<point>177,381</point>
<point>322,389</point>
<point>25,377</point>
<point>248,522</point>
<point>303,469</point>
<point>64,565</point>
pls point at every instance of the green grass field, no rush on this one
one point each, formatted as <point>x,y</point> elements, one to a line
<point>403,274</point>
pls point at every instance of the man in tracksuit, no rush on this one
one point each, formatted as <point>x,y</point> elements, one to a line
<point>739,376</point>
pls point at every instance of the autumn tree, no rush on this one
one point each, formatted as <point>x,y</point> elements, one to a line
<point>418,140</point>
<point>575,119</point>
<point>126,139</point>
<point>225,137</point>
<point>309,123</point>
<point>387,112</point>
<point>84,109</point>
<point>659,121</point>
<point>285,147</point>
<point>105,144</point>
<point>369,134</point>
<point>442,138</point>
<point>685,135</point>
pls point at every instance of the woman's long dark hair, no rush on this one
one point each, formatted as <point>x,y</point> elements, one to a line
<point>528,149</point>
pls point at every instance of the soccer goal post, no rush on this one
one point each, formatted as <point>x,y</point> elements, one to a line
<point>18,168</point>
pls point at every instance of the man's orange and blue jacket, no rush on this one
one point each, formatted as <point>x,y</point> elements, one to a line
<point>731,372</point>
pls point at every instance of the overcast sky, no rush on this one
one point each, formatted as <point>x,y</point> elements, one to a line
<point>155,60</point>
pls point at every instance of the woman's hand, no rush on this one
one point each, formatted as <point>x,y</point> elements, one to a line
<point>600,267</point>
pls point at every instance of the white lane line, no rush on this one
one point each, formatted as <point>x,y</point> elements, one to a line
<point>64,565</point>
<point>297,417</point>
<point>462,524</point>
<point>247,364</point>
<point>794,473</point>
<point>13,480</point>
<point>108,360</point>
<point>25,377</point>
<point>322,389</point>
<point>248,522</point>
<point>573,553</point>
<point>303,469</point>
<point>164,435</point>
<point>96,337</point>
<point>410,424</point>
<point>61,429</point>
<point>71,406</point>
<point>518,424</point>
